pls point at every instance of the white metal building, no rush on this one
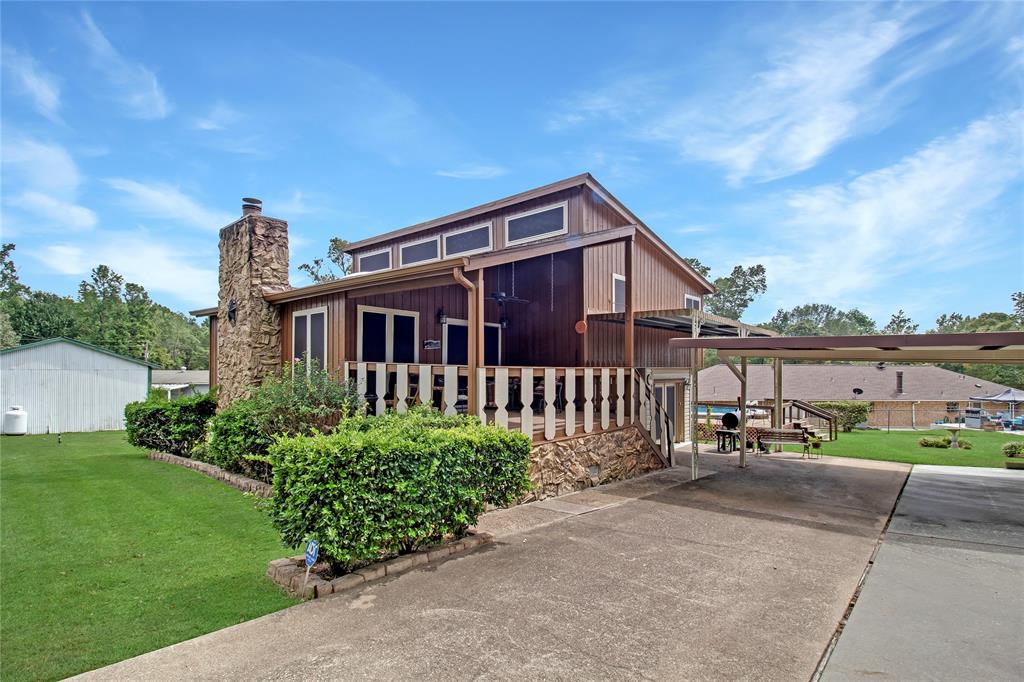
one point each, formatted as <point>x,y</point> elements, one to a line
<point>68,386</point>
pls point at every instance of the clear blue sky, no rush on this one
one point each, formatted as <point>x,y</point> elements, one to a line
<point>868,155</point>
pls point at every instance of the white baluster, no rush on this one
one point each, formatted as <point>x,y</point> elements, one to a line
<point>402,388</point>
<point>361,379</point>
<point>570,397</point>
<point>605,390</point>
<point>382,382</point>
<point>526,396</point>
<point>620,403</point>
<point>501,396</point>
<point>549,403</point>
<point>481,393</point>
<point>450,390</point>
<point>426,391</point>
<point>588,400</point>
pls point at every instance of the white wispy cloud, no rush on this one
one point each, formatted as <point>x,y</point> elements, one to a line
<point>33,81</point>
<point>139,258</point>
<point>933,210</point>
<point>220,117</point>
<point>167,202</point>
<point>134,85</point>
<point>42,180</point>
<point>474,172</point>
<point>819,82</point>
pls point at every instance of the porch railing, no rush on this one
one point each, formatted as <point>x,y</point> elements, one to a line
<point>545,403</point>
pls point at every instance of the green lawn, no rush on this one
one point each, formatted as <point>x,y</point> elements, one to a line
<point>107,555</point>
<point>901,446</point>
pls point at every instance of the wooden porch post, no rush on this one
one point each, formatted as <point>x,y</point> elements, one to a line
<point>628,359</point>
<point>743,412</point>
<point>474,307</point>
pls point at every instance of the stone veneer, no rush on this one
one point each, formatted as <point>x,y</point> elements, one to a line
<point>566,466</point>
<point>253,259</point>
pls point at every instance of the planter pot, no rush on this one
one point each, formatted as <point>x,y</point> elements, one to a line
<point>1014,463</point>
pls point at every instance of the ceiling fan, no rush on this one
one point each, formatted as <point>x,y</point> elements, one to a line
<point>502,298</point>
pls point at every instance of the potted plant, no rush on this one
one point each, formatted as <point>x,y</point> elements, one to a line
<point>814,442</point>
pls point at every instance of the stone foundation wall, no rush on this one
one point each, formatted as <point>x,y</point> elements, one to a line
<point>253,259</point>
<point>566,466</point>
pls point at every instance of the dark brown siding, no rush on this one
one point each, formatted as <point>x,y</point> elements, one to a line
<point>605,341</point>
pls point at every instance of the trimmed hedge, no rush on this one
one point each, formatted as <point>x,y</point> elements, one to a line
<point>174,426</point>
<point>236,434</point>
<point>380,486</point>
<point>944,442</point>
<point>1014,448</point>
<point>848,413</point>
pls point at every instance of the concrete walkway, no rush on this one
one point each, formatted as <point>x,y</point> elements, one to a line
<point>741,575</point>
<point>944,599</point>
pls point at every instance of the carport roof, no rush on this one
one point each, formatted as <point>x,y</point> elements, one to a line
<point>987,347</point>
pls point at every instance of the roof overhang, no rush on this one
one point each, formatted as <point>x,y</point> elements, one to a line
<point>983,347</point>
<point>683,320</point>
<point>204,312</point>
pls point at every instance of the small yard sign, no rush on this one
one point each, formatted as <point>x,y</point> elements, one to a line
<point>312,552</point>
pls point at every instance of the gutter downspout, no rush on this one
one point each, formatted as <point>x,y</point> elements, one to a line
<point>471,292</point>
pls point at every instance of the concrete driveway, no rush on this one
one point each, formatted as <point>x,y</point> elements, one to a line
<point>944,599</point>
<point>741,575</point>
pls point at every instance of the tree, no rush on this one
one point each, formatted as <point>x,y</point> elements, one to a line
<point>319,271</point>
<point>699,267</point>
<point>953,323</point>
<point>42,315</point>
<point>1018,305</point>
<point>10,287</point>
<point>900,323</point>
<point>737,291</point>
<point>821,319</point>
<point>8,337</point>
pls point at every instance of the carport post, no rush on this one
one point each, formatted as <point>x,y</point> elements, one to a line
<point>743,411</point>
<point>694,371</point>
<point>777,412</point>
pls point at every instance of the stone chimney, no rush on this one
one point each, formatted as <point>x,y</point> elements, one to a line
<point>253,257</point>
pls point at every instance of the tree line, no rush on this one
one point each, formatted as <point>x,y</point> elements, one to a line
<point>107,312</point>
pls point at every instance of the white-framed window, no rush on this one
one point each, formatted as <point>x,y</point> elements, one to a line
<point>375,260</point>
<point>455,343</point>
<point>539,223</point>
<point>309,336</point>
<point>691,302</point>
<point>387,335</point>
<point>420,251</point>
<point>618,293</point>
<point>468,240</point>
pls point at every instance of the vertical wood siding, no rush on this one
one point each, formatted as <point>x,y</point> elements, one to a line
<point>67,388</point>
<point>213,351</point>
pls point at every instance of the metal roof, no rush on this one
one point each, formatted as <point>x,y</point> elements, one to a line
<point>180,376</point>
<point>81,344</point>
<point>987,347</point>
<point>682,320</point>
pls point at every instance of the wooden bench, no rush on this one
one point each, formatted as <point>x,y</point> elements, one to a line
<point>784,437</point>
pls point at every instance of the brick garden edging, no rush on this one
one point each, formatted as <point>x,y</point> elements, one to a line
<point>290,572</point>
<point>243,483</point>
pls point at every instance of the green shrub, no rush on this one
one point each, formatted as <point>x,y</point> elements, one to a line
<point>387,485</point>
<point>1014,448</point>
<point>175,426</point>
<point>848,413</point>
<point>944,442</point>
<point>298,399</point>
<point>236,440</point>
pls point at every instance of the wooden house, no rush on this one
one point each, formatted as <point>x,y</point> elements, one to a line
<point>547,311</point>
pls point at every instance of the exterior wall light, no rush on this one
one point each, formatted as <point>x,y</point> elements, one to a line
<point>232,311</point>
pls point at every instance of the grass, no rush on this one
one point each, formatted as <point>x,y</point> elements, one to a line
<point>901,446</point>
<point>107,555</point>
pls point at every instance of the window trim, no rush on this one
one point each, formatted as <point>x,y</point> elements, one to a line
<point>307,313</point>
<point>389,331</point>
<point>490,239</point>
<point>386,249</point>
<point>564,205</point>
<point>690,297</point>
<point>401,256</point>
<point>615,278</point>
<point>465,323</point>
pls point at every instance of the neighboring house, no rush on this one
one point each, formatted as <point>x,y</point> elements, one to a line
<point>181,382</point>
<point>533,311</point>
<point>902,396</point>
<point>68,386</point>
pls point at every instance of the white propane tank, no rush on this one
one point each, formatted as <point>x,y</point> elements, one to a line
<point>15,421</point>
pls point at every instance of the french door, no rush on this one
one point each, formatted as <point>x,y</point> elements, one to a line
<point>387,335</point>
